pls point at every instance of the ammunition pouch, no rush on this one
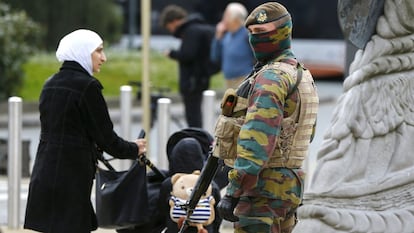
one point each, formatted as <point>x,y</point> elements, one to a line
<point>226,133</point>
<point>228,125</point>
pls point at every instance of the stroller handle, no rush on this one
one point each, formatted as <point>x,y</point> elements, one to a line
<point>144,160</point>
<point>141,134</point>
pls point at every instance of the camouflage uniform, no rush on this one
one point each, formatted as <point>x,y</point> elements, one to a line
<point>269,196</point>
<point>269,193</point>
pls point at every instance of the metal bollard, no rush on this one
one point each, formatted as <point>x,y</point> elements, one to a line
<point>125,120</point>
<point>209,110</point>
<point>126,111</point>
<point>163,113</point>
<point>14,169</point>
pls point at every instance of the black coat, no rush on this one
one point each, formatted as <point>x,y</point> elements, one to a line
<point>74,120</point>
<point>193,56</point>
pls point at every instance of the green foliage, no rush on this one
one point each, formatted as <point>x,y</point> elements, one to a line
<point>18,37</point>
<point>120,68</point>
<point>59,17</point>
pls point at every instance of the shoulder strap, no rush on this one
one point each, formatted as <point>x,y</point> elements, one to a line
<point>298,80</point>
<point>245,87</point>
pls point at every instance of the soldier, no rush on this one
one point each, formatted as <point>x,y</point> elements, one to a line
<point>266,184</point>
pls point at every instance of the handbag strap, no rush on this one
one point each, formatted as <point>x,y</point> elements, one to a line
<point>100,157</point>
<point>142,159</point>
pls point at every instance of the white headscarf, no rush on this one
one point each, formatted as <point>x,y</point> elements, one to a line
<point>78,46</point>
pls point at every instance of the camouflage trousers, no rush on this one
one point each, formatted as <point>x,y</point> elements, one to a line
<point>273,211</point>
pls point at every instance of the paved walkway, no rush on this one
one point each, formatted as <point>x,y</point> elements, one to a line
<point>6,230</point>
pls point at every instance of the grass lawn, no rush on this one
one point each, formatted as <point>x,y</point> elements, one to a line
<point>120,68</point>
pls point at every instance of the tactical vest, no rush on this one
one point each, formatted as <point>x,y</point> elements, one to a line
<point>296,130</point>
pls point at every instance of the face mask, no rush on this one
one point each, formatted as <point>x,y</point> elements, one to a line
<point>270,45</point>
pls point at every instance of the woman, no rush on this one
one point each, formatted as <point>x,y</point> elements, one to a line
<point>74,121</point>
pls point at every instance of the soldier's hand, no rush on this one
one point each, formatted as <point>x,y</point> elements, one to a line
<point>226,208</point>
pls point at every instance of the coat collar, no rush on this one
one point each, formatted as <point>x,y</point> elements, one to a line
<point>73,65</point>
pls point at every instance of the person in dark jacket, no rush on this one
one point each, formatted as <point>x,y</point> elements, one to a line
<point>186,157</point>
<point>74,122</point>
<point>193,57</point>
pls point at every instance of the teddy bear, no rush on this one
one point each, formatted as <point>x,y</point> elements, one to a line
<point>183,185</point>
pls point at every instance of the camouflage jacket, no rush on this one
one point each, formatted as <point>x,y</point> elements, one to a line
<point>267,106</point>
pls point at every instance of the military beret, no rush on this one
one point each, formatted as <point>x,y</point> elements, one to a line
<point>266,13</point>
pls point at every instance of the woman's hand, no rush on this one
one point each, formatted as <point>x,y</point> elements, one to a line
<point>142,146</point>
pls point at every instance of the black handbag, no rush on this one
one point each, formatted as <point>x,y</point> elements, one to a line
<point>122,197</point>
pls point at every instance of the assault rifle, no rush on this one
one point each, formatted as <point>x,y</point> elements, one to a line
<point>207,174</point>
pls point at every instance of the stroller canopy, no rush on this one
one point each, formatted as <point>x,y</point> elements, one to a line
<point>206,141</point>
<point>203,137</point>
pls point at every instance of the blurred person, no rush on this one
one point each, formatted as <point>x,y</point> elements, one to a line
<point>74,122</point>
<point>230,46</point>
<point>267,182</point>
<point>193,57</point>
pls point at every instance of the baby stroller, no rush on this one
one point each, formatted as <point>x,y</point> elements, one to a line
<point>206,141</point>
<point>157,216</point>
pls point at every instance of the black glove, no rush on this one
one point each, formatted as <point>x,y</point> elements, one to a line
<point>226,208</point>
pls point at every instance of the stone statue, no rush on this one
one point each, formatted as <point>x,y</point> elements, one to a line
<point>364,179</point>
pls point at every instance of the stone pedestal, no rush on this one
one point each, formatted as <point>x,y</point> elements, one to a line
<point>364,180</point>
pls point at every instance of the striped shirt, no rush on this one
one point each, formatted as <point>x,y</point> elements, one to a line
<point>201,213</point>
